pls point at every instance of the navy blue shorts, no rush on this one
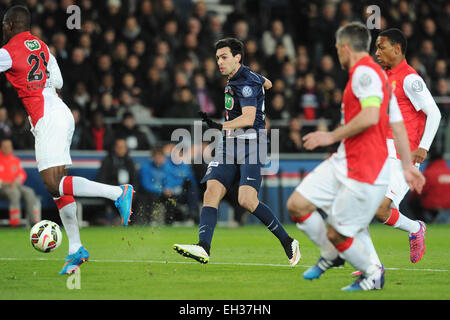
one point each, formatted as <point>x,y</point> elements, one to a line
<point>237,160</point>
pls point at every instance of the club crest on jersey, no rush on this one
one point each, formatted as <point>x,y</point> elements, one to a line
<point>32,45</point>
<point>229,101</point>
<point>394,83</point>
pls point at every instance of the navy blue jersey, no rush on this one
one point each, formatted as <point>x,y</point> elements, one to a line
<point>244,89</point>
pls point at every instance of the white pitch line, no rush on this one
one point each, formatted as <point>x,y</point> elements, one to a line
<point>213,263</point>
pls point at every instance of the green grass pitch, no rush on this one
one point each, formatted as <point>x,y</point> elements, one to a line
<point>246,263</point>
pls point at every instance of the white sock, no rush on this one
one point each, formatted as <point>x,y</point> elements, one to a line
<point>364,237</point>
<point>314,228</point>
<point>69,220</point>
<point>357,255</point>
<point>82,187</point>
<point>406,224</point>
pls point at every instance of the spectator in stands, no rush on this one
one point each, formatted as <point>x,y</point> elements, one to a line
<point>411,36</point>
<point>12,178</point>
<point>327,67</point>
<point>81,99</point>
<point>5,123</point>
<point>129,85</point>
<point>129,131</point>
<point>202,95</point>
<point>21,136</point>
<point>215,29</point>
<point>103,66</point>
<point>276,36</point>
<point>430,32</point>
<point>275,62</point>
<point>323,29</point>
<point>152,180</point>
<point>181,188</point>
<point>79,133</point>
<point>277,108</point>
<point>156,93</point>
<point>59,41</point>
<point>107,106</point>
<point>107,85</point>
<point>428,54</point>
<point>436,191</point>
<point>119,168</point>
<point>309,99</point>
<point>147,17</point>
<point>99,136</point>
<point>77,70</point>
<point>113,16</point>
<point>108,40</point>
<point>85,43</point>
<point>241,30</point>
<point>171,34</point>
<point>168,11</point>
<point>291,138</point>
<point>184,103</point>
<point>132,31</point>
<point>161,189</point>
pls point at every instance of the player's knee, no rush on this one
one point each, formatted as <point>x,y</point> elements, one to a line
<point>383,213</point>
<point>334,236</point>
<point>52,186</point>
<point>296,206</point>
<point>247,202</point>
<point>211,195</point>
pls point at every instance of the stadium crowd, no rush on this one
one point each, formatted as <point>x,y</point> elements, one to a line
<point>146,59</point>
<point>136,60</point>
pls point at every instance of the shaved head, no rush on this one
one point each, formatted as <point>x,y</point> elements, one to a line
<point>16,20</point>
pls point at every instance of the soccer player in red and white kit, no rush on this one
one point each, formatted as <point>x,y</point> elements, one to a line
<point>421,116</point>
<point>350,185</point>
<point>34,73</point>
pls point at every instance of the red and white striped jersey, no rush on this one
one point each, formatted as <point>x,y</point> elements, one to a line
<point>363,157</point>
<point>32,70</point>
<point>412,93</point>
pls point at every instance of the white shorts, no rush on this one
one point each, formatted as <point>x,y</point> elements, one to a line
<point>350,204</point>
<point>53,136</point>
<point>398,187</point>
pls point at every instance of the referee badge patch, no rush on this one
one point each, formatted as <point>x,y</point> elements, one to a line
<point>247,91</point>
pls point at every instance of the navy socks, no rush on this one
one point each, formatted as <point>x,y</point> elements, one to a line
<point>263,213</point>
<point>208,221</point>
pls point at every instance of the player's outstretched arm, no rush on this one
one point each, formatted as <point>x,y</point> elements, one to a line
<point>366,118</point>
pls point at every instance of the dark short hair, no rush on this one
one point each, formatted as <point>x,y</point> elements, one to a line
<point>19,15</point>
<point>236,46</point>
<point>395,36</point>
<point>356,35</point>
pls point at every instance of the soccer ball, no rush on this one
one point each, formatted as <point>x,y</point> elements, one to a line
<point>45,236</point>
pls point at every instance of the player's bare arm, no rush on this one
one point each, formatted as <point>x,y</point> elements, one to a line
<point>245,120</point>
<point>366,118</point>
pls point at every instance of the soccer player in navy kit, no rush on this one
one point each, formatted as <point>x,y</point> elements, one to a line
<point>238,156</point>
